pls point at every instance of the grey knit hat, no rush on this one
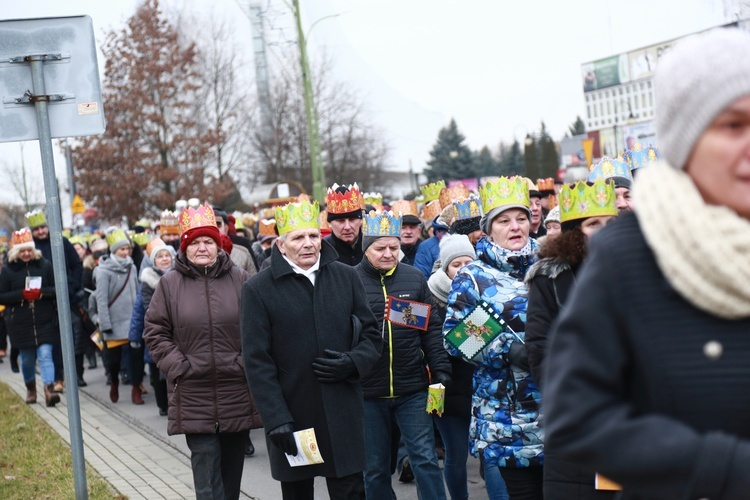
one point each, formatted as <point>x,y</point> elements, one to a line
<point>694,82</point>
<point>452,246</point>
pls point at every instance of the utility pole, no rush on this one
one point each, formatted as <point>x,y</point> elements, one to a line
<point>318,171</point>
<point>261,73</point>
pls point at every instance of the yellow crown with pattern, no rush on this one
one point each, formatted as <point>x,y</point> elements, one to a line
<point>432,190</point>
<point>141,239</point>
<point>374,199</point>
<point>116,235</point>
<point>583,200</point>
<point>382,224</point>
<point>201,216</point>
<point>351,200</point>
<point>36,218</point>
<point>505,192</point>
<point>297,215</point>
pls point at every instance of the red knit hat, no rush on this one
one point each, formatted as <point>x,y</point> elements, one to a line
<point>195,222</point>
<point>210,231</point>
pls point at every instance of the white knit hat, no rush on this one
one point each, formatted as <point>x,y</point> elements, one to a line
<point>452,246</point>
<point>552,216</point>
<point>694,82</point>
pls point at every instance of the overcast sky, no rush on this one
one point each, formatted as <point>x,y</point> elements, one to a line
<point>499,67</point>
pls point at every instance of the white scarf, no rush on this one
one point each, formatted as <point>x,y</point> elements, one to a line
<point>703,250</point>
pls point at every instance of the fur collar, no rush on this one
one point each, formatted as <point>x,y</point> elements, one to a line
<point>151,277</point>
<point>550,267</point>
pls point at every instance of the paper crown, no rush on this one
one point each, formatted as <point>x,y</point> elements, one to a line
<point>374,199</point>
<point>505,191</point>
<point>547,184</point>
<point>351,200</point>
<point>238,222</point>
<point>607,168</point>
<point>405,207</point>
<point>297,215</point>
<point>467,208</point>
<point>581,200</point>
<point>3,236</point>
<point>151,245</point>
<point>201,216</point>
<point>116,236</point>
<point>141,239</point>
<point>169,223</point>
<point>640,157</point>
<point>432,190</point>
<point>323,220</point>
<point>450,194</point>
<point>144,222</point>
<point>36,218</point>
<point>380,224</point>
<point>431,210</point>
<point>266,227</point>
<point>23,239</point>
<point>249,219</point>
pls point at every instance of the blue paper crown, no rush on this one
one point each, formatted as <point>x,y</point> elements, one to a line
<point>608,168</point>
<point>640,157</point>
<point>382,224</point>
<point>467,208</point>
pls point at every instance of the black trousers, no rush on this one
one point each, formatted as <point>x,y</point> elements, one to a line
<point>523,483</point>
<point>350,487</point>
<point>217,461</point>
<point>159,384</point>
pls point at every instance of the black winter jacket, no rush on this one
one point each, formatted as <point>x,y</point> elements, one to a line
<point>401,369</point>
<point>349,255</point>
<point>73,266</point>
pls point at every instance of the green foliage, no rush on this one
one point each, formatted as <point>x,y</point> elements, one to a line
<point>540,155</point>
<point>577,127</point>
<point>510,160</point>
<point>486,165</point>
<point>450,158</point>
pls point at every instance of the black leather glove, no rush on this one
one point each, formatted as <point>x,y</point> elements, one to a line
<point>334,367</point>
<point>283,438</point>
<point>518,356</point>
<point>442,378</point>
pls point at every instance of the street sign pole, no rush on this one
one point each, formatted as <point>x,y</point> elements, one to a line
<point>41,100</point>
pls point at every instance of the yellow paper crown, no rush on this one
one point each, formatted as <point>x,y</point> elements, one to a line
<point>201,216</point>
<point>432,190</point>
<point>582,200</point>
<point>141,239</point>
<point>374,199</point>
<point>505,192</point>
<point>36,218</point>
<point>297,215</point>
<point>115,236</point>
<point>350,200</point>
<point>23,238</point>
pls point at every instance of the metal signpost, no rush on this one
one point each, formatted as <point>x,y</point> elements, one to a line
<point>49,86</point>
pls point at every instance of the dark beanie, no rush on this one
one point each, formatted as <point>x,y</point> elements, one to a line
<point>465,226</point>
<point>369,240</point>
<point>356,214</point>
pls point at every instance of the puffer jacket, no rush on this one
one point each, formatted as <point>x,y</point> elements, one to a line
<point>192,331</point>
<point>29,326</point>
<point>505,423</point>
<point>401,369</point>
<point>110,277</point>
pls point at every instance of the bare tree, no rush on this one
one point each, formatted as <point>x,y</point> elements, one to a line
<point>30,193</point>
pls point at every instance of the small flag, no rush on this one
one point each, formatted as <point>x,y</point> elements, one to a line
<point>480,327</point>
<point>408,313</point>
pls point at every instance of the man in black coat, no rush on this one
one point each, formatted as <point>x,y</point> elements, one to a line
<point>308,336</point>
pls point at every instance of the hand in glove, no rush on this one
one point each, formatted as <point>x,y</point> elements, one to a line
<point>32,294</point>
<point>442,378</point>
<point>135,345</point>
<point>335,367</point>
<point>283,438</point>
<point>518,356</point>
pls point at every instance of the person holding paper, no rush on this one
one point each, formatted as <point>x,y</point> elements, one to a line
<point>505,427</point>
<point>396,389</point>
<point>648,379</point>
<point>308,338</point>
<point>27,290</point>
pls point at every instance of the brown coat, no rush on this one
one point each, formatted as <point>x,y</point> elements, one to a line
<point>192,330</point>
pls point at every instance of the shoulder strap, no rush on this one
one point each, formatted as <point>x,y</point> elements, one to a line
<point>117,295</point>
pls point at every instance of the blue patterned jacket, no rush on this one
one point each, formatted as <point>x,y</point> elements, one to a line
<point>505,421</point>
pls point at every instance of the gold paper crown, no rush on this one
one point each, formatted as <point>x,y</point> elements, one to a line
<point>451,194</point>
<point>249,219</point>
<point>581,200</point>
<point>432,190</point>
<point>266,227</point>
<point>169,223</point>
<point>115,236</point>
<point>36,218</point>
<point>151,245</point>
<point>23,239</point>
<point>382,224</point>
<point>201,216</point>
<point>431,210</point>
<point>547,184</point>
<point>297,215</point>
<point>350,200</point>
<point>505,192</point>
<point>405,207</point>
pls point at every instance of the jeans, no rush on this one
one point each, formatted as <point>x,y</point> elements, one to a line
<point>416,431</point>
<point>455,434</point>
<point>494,482</point>
<point>217,461</point>
<point>46,365</point>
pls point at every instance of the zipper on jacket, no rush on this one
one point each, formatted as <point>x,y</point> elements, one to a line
<point>391,390</point>
<point>213,354</point>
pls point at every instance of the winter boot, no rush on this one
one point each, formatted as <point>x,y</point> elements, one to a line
<point>50,396</point>
<point>135,395</point>
<point>31,392</point>
<point>114,393</point>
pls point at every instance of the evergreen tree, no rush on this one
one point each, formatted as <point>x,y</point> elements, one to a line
<point>450,158</point>
<point>531,157</point>
<point>577,127</point>
<point>549,161</point>
<point>486,165</point>
<point>516,160</point>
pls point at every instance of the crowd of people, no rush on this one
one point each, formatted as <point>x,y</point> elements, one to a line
<point>579,333</point>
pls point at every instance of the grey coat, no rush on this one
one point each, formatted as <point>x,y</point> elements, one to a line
<point>110,277</point>
<point>286,323</point>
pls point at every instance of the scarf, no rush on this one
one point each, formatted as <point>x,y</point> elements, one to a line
<point>710,273</point>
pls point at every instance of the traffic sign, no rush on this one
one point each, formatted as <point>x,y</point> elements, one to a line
<point>77,206</point>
